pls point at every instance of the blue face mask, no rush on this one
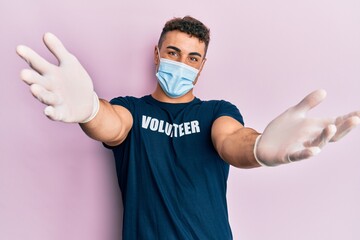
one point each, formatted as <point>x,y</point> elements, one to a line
<point>175,78</point>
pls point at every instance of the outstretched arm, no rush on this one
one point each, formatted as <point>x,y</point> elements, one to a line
<point>111,125</point>
<point>292,136</point>
<point>68,92</point>
<point>234,142</point>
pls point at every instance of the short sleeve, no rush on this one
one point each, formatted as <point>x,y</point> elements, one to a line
<point>225,108</point>
<point>126,102</point>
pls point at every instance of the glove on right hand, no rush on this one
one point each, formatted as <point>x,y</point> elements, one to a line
<point>67,89</point>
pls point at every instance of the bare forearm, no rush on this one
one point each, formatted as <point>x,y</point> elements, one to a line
<point>108,126</point>
<point>237,148</point>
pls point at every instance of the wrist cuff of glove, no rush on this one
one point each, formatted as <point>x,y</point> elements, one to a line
<point>266,164</point>
<point>95,109</point>
<point>255,149</point>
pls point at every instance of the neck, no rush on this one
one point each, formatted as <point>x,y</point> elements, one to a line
<point>160,95</point>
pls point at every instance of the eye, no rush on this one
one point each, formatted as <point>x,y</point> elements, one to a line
<point>194,59</point>
<point>173,53</point>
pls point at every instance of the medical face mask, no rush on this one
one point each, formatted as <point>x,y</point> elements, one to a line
<point>175,78</point>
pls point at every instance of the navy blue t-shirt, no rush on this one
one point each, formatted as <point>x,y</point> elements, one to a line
<point>173,181</point>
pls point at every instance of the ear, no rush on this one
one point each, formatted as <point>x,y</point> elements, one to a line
<point>200,69</point>
<point>156,55</point>
<point>202,65</point>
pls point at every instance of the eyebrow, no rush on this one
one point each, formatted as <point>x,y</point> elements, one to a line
<point>178,50</point>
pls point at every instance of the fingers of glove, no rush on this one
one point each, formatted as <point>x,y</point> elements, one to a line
<point>43,95</point>
<point>32,77</point>
<point>341,119</point>
<point>52,113</point>
<point>303,154</point>
<point>345,127</point>
<point>56,47</point>
<point>34,60</point>
<point>310,101</point>
<point>323,138</point>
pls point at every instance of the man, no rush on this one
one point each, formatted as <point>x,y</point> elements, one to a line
<point>173,150</point>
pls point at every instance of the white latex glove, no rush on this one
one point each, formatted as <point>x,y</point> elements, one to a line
<point>66,88</point>
<point>292,136</point>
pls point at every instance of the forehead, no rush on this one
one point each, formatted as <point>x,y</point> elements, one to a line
<point>184,42</point>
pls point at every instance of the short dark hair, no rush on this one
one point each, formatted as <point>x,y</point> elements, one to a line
<point>188,25</point>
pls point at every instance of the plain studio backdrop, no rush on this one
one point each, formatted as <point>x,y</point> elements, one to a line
<point>264,56</point>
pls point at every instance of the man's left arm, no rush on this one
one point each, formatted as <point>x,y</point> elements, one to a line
<point>234,142</point>
<point>292,136</point>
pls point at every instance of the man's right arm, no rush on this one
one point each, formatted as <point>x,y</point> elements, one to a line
<point>111,124</point>
<point>68,92</point>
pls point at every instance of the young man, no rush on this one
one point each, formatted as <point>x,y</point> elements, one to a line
<point>173,150</point>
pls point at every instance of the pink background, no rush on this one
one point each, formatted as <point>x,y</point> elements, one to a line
<point>56,183</point>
